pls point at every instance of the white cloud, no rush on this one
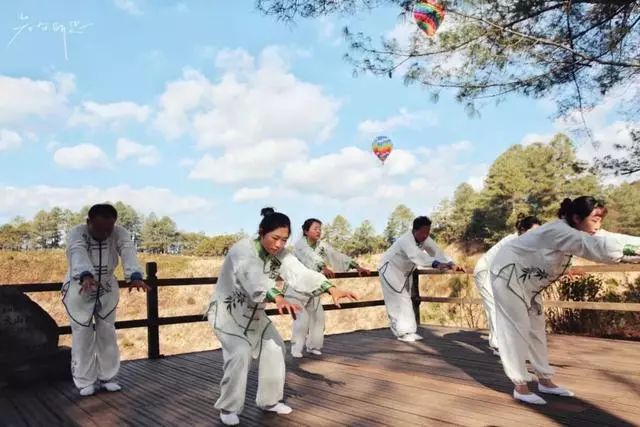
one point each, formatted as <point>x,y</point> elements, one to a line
<point>532,138</point>
<point>81,156</point>
<point>478,174</point>
<point>52,145</point>
<point>25,201</point>
<point>132,7</point>
<point>261,161</point>
<point>355,175</point>
<point>405,118</point>
<point>23,98</point>
<point>400,162</point>
<point>246,194</point>
<point>186,162</point>
<point>147,155</point>
<point>93,114</point>
<point>351,172</point>
<point>9,140</point>
<point>179,100</point>
<point>605,123</point>
<point>329,31</point>
<point>254,100</point>
<point>404,33</point>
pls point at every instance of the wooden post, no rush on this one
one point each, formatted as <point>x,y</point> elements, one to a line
<point>415,295</point>
<point>153,329</point>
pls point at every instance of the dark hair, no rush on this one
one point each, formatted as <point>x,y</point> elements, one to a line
<point>524,223</point>
<point>581,206</point>
<point>272,220</point>
<point>309,222</point>
<point>421,221</point>
<point>103,210</point>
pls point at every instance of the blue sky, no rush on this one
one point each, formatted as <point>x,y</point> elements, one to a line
<point>206,111</point>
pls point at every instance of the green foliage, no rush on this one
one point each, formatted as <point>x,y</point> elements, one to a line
<point>364,241</point>
<point>594,322</point>
<point>216,245</point>
<point>573,52</point>
<point>159,234</point>
<point>529,180</point>
<point>338,233</point>
<point>400,221</point>
<point>623,202</point>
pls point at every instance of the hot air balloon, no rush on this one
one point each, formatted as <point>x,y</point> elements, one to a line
<point>382,147</point>
<point>428,14</point>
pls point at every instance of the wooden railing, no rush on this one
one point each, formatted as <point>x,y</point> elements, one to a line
<point>153,321</point>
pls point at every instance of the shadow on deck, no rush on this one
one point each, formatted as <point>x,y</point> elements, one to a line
<point>363,378</point>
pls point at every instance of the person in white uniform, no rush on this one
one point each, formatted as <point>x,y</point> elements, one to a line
<point>318,255</point>
<point>525,266</point>
<point>482,278</point>
<point>90,295</point>
<point>247,282</point>
<point>414,249</point>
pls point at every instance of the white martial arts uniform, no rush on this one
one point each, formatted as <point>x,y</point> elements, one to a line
<point>309,324</point>
<point>94,349</point>
<point>482,279</point>
<point>396,268</point>
<point>237,314</point>
<point>521,270</point>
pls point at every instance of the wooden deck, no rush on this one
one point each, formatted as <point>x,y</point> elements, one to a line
<point>364,378</point>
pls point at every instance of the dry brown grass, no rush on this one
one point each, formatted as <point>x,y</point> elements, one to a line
<point>50,266</point>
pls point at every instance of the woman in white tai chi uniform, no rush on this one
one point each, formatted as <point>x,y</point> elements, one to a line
<point>237,314</point>
<point>414,249</point>
<point>483,280</point>
<point>525,266</point>
<point>90,295</point>
<point>318,255</point>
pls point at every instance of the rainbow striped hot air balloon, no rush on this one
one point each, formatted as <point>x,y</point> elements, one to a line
<point>382,147</point>
<point>428,14</point>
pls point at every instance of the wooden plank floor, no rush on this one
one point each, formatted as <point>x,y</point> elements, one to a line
<point>364,378</point>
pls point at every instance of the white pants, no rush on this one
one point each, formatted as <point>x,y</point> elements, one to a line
<point>308,327</point>
<point>94,351</point>
<point>483,283</point>
<point>399,309</point>
<point>237,355</point>
<point>520,334</point>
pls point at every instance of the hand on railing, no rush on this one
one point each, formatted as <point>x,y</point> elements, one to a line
<point>328,273</point>
<point>88,284</point>
<point>362,271</point>
<point>138,285</point>
<point>338,294</point>
<point>443,266</point>
<point>573,273</point>
<point>285,306</point>
<point>458,268</point>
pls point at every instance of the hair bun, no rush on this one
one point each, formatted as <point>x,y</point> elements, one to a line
<point>267,211</point>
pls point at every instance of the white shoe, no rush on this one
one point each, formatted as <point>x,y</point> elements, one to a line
<point>417,337</point>
<point>315,351</point>
<point>558,391</point>
<point>407,338</point>
<point>89,390</point>
<point>296,354</point>
<point>111,386</point>
<point>531,398</point>
<point>229,419</point>
<point>279,408</point>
